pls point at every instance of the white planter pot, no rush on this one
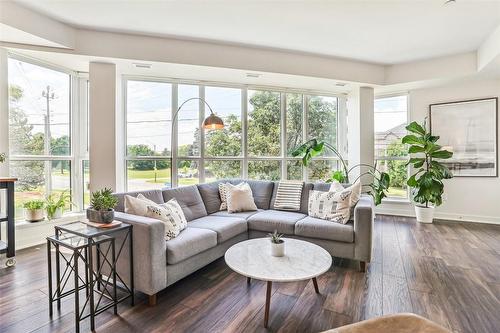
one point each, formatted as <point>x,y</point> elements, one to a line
<point>34,215</point>
<point>278,250</point>
<point>424,214</point>
<point>57,214</point>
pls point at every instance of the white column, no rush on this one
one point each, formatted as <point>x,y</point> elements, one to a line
<point>361,128</point>
<point>102,123</point>
<point>4,110</point>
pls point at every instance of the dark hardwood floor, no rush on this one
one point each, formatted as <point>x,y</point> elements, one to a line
<point>447,272</point>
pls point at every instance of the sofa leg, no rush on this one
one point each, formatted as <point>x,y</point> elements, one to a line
<point>152,300</point>
<point>362,266</point>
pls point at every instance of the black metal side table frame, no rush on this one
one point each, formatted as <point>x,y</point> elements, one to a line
<point>85,243</point>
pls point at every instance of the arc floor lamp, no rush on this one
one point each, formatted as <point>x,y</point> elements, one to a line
<point>212,122</point>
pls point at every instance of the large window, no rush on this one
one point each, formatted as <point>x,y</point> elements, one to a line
<point>391,117</point>
<point>262,127</point>
<point>41,132</point>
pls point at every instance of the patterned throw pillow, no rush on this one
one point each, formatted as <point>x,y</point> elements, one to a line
<point>223,196</point>
<point>331,206</point>
<point>171,214</point>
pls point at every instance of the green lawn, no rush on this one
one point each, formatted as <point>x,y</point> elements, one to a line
<point>397,192</point>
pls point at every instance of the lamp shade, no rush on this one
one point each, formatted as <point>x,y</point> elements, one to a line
<point>212,122</point>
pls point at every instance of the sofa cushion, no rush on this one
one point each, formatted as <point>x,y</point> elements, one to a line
<point>271,220</point>
<point>190,242</point>
<point>225,227</point>
<point>261,190</point>
<point>189,199</point>
<point>210,194</point>
<point>322,229</point>
<point>243,215</point>
<point>154,195</point>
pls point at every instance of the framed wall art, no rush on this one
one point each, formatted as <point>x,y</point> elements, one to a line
<point>469,130</point>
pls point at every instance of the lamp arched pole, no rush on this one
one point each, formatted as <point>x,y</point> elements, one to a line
<point>174,118</point>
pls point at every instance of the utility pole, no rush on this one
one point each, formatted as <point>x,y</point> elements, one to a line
<point>49,95</point>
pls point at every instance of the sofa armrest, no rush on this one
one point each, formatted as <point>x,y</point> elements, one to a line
<point>150,257</point>
<point>364,215</point>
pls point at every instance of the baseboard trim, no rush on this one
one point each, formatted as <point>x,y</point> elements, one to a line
<point>441,216</point>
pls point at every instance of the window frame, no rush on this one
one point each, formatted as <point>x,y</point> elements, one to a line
<point>396,158</point>
<point>244,158</point>
<point>78,124</point>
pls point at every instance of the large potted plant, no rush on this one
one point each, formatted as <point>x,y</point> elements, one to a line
<point>54,205</point>
<point>378,186</point>
<point>102,204</point>
<point>33,210</point>
<point>427,180</point>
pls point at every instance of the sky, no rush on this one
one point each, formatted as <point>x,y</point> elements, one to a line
<point>390,112</point>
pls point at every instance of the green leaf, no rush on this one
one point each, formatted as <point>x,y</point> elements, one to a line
<point>412,139</point>
<point>415,127</point>
<point>412,182</point>
<point>442,154</point>
<point>416,149</point>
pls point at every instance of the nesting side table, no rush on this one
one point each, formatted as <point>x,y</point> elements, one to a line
<point>97,250</point>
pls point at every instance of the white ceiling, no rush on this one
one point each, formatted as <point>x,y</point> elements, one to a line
<point>385,32</point>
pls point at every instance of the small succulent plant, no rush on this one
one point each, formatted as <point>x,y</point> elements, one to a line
<point>103,200</point>
<point>275,237</point>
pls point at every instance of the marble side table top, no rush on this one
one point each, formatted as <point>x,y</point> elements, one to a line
<point>302,260</point>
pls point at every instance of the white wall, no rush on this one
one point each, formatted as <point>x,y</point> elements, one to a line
<point>466,198</point>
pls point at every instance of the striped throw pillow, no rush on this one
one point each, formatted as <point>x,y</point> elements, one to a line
<point>288,195</point>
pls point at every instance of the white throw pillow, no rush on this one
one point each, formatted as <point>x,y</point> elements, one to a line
<point>239,198</point>
<point>331,206</point>
<point>223,194</point>
<point>171,214</point>
<point>137,206</point>
<point>355,191</point>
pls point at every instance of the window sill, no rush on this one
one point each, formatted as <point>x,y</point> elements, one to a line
<point>396,200</point>
<point>70,217</point>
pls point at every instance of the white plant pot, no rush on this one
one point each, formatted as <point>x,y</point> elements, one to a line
<point>278,250</point>
<point>34,215</point>
<point>424,214</point>
<point>57,214</point>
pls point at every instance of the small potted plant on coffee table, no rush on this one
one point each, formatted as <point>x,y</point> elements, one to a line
<point>102,204</point>
<point>277,244</point>
<point>54,205</point>
<point>33,210</point>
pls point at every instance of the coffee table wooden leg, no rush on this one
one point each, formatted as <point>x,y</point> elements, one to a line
<point>268,302</point>
<point>315,283</point>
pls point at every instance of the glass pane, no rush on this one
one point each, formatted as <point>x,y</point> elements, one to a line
<point>188,132</point>
<point>86,183</point>
<point>39,110</point>
<point>148,174</point>
<point>264,123</point>
<point>294,113</point>
<point>398,172</point>
<point>294,170</point>
<point>215,170</point>
<point>264,170</point>
<point>187,172</point>
<point>322,120</point>
<point>37,178</point>
<point>226,103</point>
<point>390,121</point>
<point>321,170</point>
<point>149,118</point>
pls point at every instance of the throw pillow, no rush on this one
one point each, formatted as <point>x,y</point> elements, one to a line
<point>332,206</point>
<point>355,191</point>
<point>171,215</point>
<point>288,195</point>
<point>137,206</point>
<point>223,194</point>
<point>239,198</point>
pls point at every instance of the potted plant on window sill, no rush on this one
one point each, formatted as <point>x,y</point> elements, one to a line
<point>34,210</point>
<point>277,244</point>
<point>102,204</point>
<point>55,206</point>
<point>427,182</point>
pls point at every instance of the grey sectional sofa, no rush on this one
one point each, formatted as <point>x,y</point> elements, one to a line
<point>210,232</point>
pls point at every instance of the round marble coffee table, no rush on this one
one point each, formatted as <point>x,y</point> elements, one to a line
<point>302,261</point>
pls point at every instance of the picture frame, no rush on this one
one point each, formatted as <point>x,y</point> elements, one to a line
<point>469,129</point>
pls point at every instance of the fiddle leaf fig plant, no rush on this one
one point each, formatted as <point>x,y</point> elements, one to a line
<point>314,147</point>
<point>427,182</point>
<point>2,157</point>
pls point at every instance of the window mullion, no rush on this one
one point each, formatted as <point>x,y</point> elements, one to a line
<point>305,112</point>
<point>201,163</point>
<point>283,135</point>
<point>244,131</point>
<point>174,127</point>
